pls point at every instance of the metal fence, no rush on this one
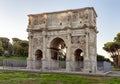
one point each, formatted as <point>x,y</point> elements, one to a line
<point>52,65</point>
<point>14,64</point>
<point>104,66</point>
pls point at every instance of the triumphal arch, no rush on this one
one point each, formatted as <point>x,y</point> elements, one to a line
<point>63,40</point>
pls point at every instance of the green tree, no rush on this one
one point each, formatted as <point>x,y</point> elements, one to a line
<point>5,42</point>
<point>117,46</point>
<point>117,38</point>
<point>24,45</point>
<point>15,40</point>
<point>1,49</point>
<point>102,58</point>
<point>108,47</point>
<point>6,45</point>
<point>10,48</point>
<point>114,49</point>
<point>111,48</point>
<point>20,47</point>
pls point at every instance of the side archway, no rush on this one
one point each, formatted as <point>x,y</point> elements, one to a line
<point>78,59</point>
<point>38,58</point>
<point>38,55</point>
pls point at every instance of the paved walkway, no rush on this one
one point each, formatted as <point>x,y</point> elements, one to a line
<point>113,73</point>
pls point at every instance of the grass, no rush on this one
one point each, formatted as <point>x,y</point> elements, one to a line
<point>115,69</point>
<point>13,57</point>
<point>16,77</point>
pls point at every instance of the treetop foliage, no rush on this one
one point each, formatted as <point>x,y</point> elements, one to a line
<point>102,58</point>
<point>117,38</point>
<point>1,48</point>
<point>114,49</point>
<point>18,47</point>
<point>4,38</point>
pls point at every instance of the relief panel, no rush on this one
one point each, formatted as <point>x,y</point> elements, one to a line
<point>78,39</point>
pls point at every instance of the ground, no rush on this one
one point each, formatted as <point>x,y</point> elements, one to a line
<point>19,77</point>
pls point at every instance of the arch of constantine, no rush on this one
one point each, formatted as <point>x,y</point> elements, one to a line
<point>64,39</point>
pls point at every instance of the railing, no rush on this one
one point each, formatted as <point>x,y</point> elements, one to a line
<point>51,65</point>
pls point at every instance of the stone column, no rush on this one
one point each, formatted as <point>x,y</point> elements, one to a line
<point>93,52</point>
<point>68,53</point>
<point>44,60</point>
<point>30,53</point>
<point>87,61</point>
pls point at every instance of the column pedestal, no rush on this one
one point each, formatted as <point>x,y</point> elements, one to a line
<point>90,67</point>
<point>29,63</point>
<point>68,65</point>
<point>87,66</point>
<point>44,65</point>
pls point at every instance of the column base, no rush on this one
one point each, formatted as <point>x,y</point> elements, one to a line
<point>87,66</point>
<point>44,65</point>
<point>68,65</point>
<point>90,67</point>
<point>29,63</point>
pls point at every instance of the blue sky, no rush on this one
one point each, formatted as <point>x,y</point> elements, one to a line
<point>14,20</point>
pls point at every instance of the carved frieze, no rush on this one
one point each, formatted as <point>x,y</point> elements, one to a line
<point>75,16</point>
<point>74,39</point>
<point>42,18</point>
<point>35,20</point>
<point>38,42</point>
<point>80,18</point>
<point>35,41</point>
<point>78,39</point>
<point>64,19</point>
<point>49,20</point>
<point>82,39</point>
<point>30,20</point>
<point>84,17</point>
<point>94,19</point>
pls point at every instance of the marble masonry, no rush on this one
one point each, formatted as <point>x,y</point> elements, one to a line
<point>68,36</point>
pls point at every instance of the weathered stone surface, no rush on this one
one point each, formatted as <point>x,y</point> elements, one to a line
<point>76,28</point>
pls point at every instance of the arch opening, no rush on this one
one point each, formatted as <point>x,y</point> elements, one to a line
<point>58,53</point>
<point>79,59</point>
<point>38,55</point>
<point>78,55</point>
<point>38,58</point>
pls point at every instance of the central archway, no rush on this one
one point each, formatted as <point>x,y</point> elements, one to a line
<point>58,53</point>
